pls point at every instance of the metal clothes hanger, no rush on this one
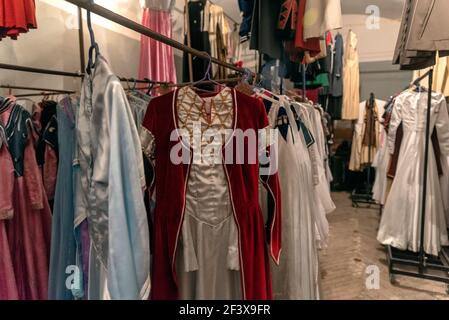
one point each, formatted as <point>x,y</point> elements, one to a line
<point>207,76</point>
<point>150,86</point>
<point>93,44</point>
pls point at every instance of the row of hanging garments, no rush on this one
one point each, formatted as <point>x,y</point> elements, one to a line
<point>54,220</point>
<point>298,33</point>
<point>102,220</point>
<point>25,217</point>
<point>213,247</point>
<point>398,183</point>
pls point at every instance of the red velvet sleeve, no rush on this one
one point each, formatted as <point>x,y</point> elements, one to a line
<point>270,181</point>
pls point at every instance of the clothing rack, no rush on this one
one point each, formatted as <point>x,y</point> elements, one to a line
<point>130,24</point>
<point>80,75</point>
<point>127,23</point>
<point>424,266</point>
<point>365,195</point>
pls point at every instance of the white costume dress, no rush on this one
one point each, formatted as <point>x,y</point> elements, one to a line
<point>400,223</point>
<point>296,276</point>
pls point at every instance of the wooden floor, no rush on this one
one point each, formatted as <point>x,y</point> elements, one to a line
<point>352,248</point>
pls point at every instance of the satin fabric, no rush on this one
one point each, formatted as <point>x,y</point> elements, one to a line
<point>111,189</point>
<point>400,223</point>
<point>321,190</point>
<point>156,59</point>
<point>208,265</point>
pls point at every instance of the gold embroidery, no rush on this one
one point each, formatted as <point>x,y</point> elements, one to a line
<point>191,109</point>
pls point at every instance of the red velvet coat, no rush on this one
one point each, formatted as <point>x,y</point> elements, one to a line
<point>171,183</point>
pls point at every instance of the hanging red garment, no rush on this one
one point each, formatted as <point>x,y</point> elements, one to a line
<point>16,16</point>
<point>171,181</point>
<point>312,45</point>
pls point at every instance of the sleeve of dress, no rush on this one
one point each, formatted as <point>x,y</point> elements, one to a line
<point>338,63</point>
<point>148,141</point>
<point>395,121</point>
<point>128,267</point>
<point>270,181</point>
<point>50,171</point>
<point>32,174</point>
<point>7,174</point>
<point>442,126</point>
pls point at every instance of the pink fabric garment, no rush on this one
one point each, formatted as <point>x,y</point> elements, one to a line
<point>8,287</point>
<point>156,59</point>
<point>28,233</point>
<point>7,174</point>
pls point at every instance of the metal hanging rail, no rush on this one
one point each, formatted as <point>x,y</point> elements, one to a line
<point>127,23</point>
<point>41,71</point>
<point>67,74</point>
<point>50,93</point>
<point>34,89</point>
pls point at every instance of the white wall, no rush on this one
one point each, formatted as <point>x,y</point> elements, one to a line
<point>55,45</point>
<point>374,44</point>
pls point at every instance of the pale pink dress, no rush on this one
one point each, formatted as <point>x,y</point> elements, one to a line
<point>156,59</point>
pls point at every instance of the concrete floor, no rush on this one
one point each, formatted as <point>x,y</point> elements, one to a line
<point>352,249</point>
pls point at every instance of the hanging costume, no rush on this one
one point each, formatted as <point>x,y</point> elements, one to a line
<point>296,276</point>
<point>177,184</point>
<point>400,223</point>
<point>110,193</point>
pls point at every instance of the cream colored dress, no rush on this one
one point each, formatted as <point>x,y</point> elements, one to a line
<point>207,261</point>
<point>351,79</point>
<point>360,155</point>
